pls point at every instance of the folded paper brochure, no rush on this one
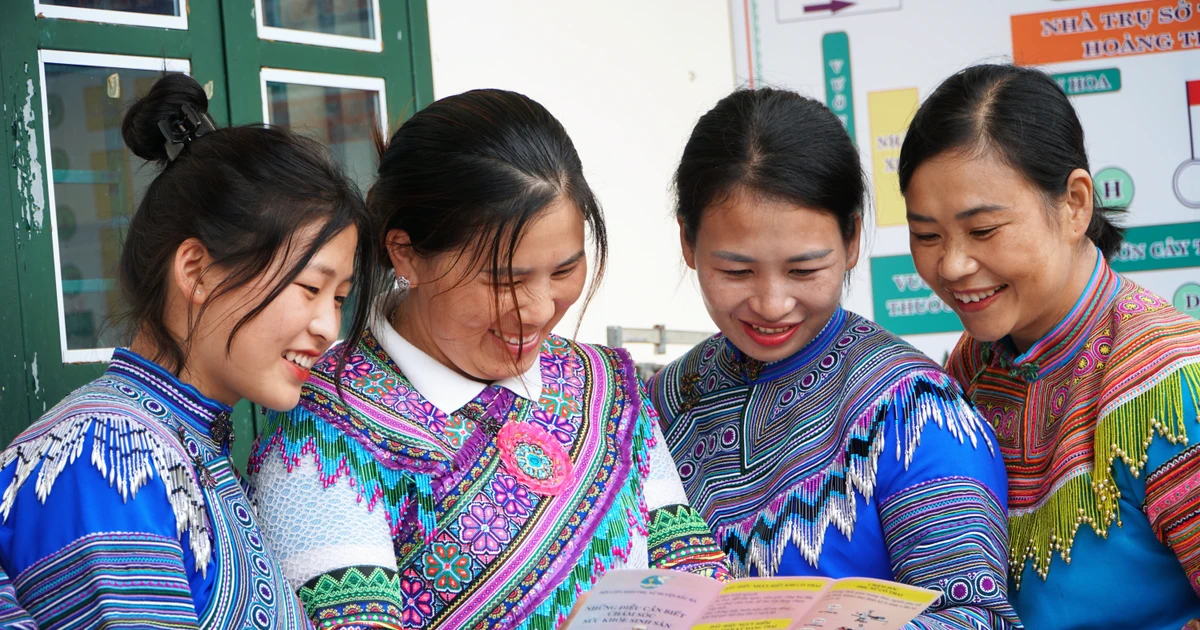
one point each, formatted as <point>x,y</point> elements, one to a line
<point>672,600</point>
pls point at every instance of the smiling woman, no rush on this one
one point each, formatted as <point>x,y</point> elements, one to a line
<point>235,268</point>
<point>476,471</point>
<point>1091,382</point>
<point>799,409</point>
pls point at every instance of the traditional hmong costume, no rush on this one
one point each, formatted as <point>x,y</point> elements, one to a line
<point>857,430</point>
<point>418,498</point>
<point>121,508</point>
<point>1097,423</point>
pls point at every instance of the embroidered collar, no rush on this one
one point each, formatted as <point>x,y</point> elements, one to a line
<point>207,419</point>
<point>1062,344</point>
<point>776,463</point>
<point>754,370</point>
<point>1115,375</point>
<point>448,390</point>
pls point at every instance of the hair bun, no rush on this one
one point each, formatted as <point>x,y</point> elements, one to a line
<point>164,101</point>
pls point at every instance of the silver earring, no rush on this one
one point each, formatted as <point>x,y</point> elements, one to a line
<point>402,283</point>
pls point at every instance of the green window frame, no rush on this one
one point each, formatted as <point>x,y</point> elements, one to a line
<point>227,47</point>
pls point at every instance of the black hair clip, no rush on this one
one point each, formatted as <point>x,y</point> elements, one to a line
<point>183,129</point>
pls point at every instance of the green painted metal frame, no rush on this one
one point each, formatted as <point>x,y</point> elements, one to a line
<point>223,47</point>
<point>404,25</point>
<point>14,401</point>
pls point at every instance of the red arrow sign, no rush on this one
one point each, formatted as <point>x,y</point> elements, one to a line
<point>833,6</point>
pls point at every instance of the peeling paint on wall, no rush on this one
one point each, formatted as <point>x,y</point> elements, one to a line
<point>27,162</point>
<point>33,369</point>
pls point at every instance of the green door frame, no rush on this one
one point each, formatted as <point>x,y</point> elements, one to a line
<point>223,47</point>
<point>405,30</point>
<point>44,378</point>
<point>14,397</point>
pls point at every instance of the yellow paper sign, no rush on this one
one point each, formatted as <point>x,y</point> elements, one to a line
<point>766,585</point>
<point>890,589</point>
<point>890,113</point>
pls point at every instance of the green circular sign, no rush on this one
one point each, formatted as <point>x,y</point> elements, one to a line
<point>66,222</point>
<point>1114,186</point>
<point>60,159</point>
<point>1187,299</point>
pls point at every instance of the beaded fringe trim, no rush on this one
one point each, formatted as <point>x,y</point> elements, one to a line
<point>611,542</point>
<point>129,455</point>
<point>1124,433</point>
<point>924,397</point>
<point>300,433</point>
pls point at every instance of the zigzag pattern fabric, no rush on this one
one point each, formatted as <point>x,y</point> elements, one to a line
<point>790,461</point>
<point>775,460</point>
<point>366,597</point>
<point>1173,507</point>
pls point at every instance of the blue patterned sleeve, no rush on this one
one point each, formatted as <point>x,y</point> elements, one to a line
<point>12,614</point>
<point>943,490</point>
<point>82,555</point>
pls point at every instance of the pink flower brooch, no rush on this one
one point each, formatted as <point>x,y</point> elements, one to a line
<point>534,457</point>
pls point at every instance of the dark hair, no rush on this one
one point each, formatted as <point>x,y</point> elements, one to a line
<point>244,192</point>
<point>774,143</point>
<point>473,170</point>
<point>1024,117</point>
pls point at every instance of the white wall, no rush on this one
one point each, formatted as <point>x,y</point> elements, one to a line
<point>1142,127</point>
<point>628,79</point>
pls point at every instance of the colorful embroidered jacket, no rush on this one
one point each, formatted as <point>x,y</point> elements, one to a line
<point>857,456</point>
<point>389,512</point>
<point>121,508</point>
<point>1097,424</point>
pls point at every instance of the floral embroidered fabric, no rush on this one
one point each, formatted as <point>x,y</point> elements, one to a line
<point>501,512</point>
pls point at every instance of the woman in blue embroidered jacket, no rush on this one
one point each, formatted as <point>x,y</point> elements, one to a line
<point>120,506</point>
<point>803,427</point>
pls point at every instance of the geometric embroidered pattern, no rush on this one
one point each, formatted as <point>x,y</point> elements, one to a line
<point>1173,507</point>
<point>146,428</point>
<point>1091,395</point>
<point>679,535</point>
<point>476,545</point>
<point>774,456</point>
<point>249,586</point>
<point>948,535</point>
<point>125,449</point>
<point>361,597</point>
<point>128,580</point>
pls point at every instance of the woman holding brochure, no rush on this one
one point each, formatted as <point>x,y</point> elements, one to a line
<point>1091,381</point>
<point>466,468</point>
<point>812,441</point>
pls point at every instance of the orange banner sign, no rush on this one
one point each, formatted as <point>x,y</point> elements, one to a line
<point>1104,32</point>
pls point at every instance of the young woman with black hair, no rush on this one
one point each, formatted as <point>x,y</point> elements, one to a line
<point>475,471</point>
<point>1091,382</point>
<point>814,442</point>
<point>120,506</point>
